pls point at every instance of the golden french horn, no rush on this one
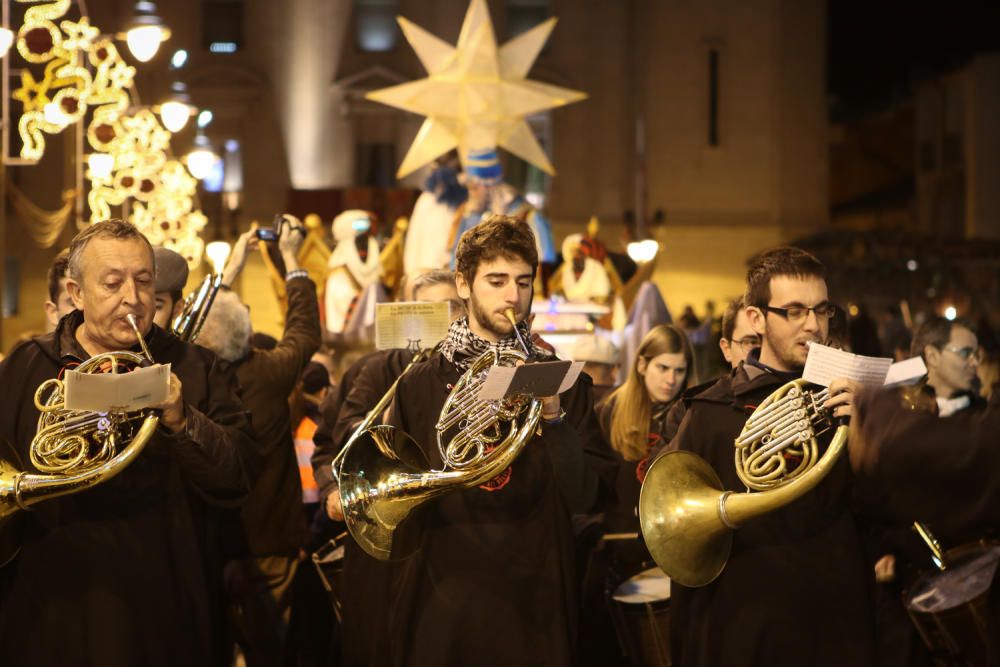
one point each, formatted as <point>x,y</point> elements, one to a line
<point>385,479</point>
<point>686,515</point>
<point>74,450</point>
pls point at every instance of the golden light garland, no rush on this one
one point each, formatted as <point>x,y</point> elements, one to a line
<point>160,189</point>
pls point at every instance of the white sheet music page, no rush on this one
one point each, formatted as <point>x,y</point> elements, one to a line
<point>906,371</point>
<point>826,364</point>
<point>397,324</point>
<point>106,392</point>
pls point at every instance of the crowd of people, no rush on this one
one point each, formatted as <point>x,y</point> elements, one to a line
<point>203,550</point>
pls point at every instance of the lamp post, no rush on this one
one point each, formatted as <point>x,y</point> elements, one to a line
<point>175,112</point>
<point>202,158</point>
<point>146,31</point>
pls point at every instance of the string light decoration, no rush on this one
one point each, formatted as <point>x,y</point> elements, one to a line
<point>133,144</point>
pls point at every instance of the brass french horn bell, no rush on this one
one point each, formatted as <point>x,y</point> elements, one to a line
<point>74,450</point>
<point>686,515</point>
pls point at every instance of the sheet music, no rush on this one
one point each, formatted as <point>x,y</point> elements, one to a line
<point>826,364</point>
<point>907,371</point>
<point>114,392</point>
<point>571,376</point>
<point>397,324</point>
<point>496,383</point>
<point>539,379</point>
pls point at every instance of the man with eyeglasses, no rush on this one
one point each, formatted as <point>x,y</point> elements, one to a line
<point>796,589</point>
<point>944,472</point>
<point>951,353</point>
<point>738,337</point>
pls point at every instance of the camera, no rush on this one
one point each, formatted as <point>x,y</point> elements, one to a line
<point>273,232</point>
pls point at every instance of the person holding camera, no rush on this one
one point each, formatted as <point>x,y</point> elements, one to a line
<point>273,525</point>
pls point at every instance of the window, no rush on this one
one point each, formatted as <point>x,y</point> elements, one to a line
<point>713,97</point>
<point>523,15</point>
<point>375,165</point>
<point>375,23</point>
<point>222,25</point>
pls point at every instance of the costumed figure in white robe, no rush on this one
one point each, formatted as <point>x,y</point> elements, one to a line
<point>488,193</point>
<point>353,268</point>
<point>430,223</point>
<point>583,278</point>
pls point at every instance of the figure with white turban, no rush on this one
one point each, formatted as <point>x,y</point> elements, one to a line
<point>584,279</point>
<point>354,270</point>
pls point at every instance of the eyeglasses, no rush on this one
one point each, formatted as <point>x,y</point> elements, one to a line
<point>967,353</point>
<point>748,342</point>
<point>798,313</point>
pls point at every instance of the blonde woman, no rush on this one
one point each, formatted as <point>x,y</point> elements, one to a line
<point>633,420</point>
<point>632,417</point>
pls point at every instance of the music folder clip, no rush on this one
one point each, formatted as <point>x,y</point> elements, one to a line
<point>546,378</point>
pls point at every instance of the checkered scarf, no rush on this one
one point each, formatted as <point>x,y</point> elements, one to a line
<point>461,347</point>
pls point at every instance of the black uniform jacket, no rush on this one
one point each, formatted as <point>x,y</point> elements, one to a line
<point>130,571</point>
<point>273,522</point>
<point>797,587</point>
<point>366,585</point>
<point>493,582</point>
<point>629,556</point>
<point>942,471</point>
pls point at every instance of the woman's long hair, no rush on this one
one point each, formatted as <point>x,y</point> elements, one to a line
<point>632,404</point>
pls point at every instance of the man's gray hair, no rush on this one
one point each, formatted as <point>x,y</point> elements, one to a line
<point>431,278</point>
<point>227,328</point>
<point>106,229</point>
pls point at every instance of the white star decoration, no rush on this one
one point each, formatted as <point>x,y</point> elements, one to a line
<point>476,96</point>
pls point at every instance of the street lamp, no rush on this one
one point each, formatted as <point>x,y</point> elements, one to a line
<point>643,251</point>
<point>175,111</point>
<point>146,31</point>
<point>201,159</point>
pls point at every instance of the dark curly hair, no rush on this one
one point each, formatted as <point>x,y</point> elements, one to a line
<point>496,236</point>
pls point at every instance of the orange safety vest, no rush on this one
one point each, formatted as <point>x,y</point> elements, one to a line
<point>304,448</point>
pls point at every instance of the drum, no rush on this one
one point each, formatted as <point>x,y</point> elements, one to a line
<point>950,608</point>
<point>329,563</point>
<point>641,611</point>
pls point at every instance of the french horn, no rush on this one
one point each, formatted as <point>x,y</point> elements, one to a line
<point>686,515</point>
<point>74,450</point>
<point>386,480</point>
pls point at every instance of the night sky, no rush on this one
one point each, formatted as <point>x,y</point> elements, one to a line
<point>878,47</point>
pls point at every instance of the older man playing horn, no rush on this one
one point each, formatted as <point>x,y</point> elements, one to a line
<point>127,572</point>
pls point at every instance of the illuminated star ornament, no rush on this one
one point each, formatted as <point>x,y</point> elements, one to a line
<point>476,95</point>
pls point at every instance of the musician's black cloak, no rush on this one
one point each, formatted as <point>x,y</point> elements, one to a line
<point>493,581</point>
<point>129,572</point>
<point>797,588</point>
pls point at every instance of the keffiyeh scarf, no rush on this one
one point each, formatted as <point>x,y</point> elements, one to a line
<point>462,347</point>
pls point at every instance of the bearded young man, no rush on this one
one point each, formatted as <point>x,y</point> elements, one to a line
<point>797,587</point>
<point>366,584</point>
<point>128,572</point>
<point>492,582</point>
